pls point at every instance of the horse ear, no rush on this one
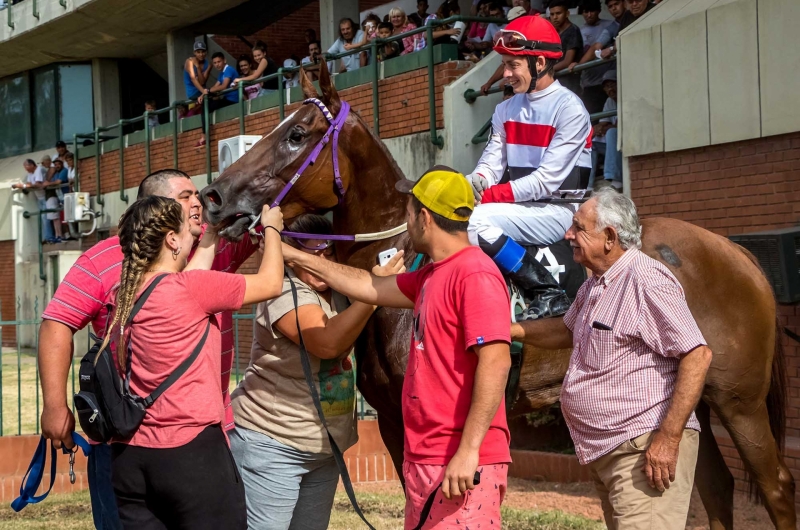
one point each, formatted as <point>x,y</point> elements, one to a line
<point>329,94</point>
<point>308,87</point>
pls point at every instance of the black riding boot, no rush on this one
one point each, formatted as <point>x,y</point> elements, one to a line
<point>541,291</point>
<point>544,296</point>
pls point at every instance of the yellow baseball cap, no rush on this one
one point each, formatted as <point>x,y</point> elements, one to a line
<point>442,190</point>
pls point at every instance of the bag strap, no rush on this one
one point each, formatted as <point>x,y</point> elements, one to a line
<point>184,366</point>
<point>337,453</point>
<point>33,477</point>
<point>144,296</point>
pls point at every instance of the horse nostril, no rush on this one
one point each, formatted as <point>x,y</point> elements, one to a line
<point>212,200</point>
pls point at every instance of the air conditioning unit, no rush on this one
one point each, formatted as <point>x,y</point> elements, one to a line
<point>77,206</point>
<point>231,149</point>
<point>778,252</point>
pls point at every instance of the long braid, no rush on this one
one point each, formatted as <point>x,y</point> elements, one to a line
<point>142,229</point>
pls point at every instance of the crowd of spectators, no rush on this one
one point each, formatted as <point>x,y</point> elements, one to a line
<point>49,181</point>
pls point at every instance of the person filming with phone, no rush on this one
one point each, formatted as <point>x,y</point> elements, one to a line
<point>280,445</point>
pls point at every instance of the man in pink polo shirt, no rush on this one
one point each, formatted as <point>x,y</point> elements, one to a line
<point>636,374</point>
<point>83,297</point>
<point>453,411</point>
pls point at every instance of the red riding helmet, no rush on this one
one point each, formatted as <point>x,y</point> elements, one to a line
<point>529,36</point>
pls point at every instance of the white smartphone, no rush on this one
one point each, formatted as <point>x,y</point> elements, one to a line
<point>385,256</point>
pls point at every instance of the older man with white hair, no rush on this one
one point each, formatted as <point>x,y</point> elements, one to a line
<point>636,374</point>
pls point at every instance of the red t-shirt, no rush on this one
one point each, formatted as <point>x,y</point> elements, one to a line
<point>162,335</point>
<point>91,283</point>
<point>460,302</point>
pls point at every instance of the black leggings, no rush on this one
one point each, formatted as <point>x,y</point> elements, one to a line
<point>195,486</point>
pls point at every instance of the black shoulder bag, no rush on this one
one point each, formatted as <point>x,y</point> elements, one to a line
<point>337,453</point>
<point>105,405</point>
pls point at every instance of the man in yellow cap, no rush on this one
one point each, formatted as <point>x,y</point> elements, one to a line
<point>453,410</point>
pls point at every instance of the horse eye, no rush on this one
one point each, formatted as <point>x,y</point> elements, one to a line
<point>296,137</point>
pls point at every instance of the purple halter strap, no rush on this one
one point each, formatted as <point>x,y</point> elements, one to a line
<point>336,126</point>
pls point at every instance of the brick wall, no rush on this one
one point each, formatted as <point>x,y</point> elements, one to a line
<point>286,37</point>
<point>732,189</point>
<point>8,295</point>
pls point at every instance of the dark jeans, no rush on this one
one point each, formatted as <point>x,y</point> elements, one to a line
<point>101,491</point>
<point>195,486</point>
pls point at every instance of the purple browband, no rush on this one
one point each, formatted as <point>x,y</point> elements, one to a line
<point>336,125</point>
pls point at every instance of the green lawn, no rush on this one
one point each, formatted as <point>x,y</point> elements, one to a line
<point>384,511</point>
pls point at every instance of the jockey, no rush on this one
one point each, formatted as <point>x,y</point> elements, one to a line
<point>540,149</point>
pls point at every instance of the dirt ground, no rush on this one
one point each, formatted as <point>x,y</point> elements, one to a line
<point>580,499</point>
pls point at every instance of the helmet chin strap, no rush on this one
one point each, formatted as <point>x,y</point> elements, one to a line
<point>535,76</point>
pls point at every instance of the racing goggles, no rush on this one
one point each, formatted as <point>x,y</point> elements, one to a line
<point>516,42</point>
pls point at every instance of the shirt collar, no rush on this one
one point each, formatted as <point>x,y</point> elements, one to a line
<point>532,96</point>
<point>618,267</point>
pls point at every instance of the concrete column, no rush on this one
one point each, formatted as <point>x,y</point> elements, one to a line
<point>105,86</point>
<point>180,46</point>
<point>330,13</point>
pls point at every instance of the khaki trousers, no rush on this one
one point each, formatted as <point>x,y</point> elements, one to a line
<point>629,503</point>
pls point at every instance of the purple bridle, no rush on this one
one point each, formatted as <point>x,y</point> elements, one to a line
<point>336,126</point>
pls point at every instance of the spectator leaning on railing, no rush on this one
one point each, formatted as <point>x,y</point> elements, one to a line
<point>571,42</point>
<point>266,66</point>
<point>389,50</point>
<point>313,60</point>
<point>291,79</point>
<point>636,8</point>
<point>55,197</point>
<point>400,24</point>
<point>36,180</point>
<point>485,44</point>
<point>195,72</point>
<point>224,81</point>
<point>348,34</point>
<point>601,48</point>
<point>592,93</point>
<point>244,69</point>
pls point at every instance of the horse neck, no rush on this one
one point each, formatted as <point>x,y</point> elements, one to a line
<point>371,203</point>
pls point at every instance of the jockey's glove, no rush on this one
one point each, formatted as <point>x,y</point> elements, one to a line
<point>479,184</point>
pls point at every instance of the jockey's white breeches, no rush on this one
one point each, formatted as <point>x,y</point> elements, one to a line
<point>527,223</point>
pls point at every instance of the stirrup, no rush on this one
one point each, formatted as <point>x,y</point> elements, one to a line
<point>518,306</point>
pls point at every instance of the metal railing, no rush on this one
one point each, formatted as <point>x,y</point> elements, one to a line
<point>25,377</point>
<point>372,47</point>
<point>470,96</point>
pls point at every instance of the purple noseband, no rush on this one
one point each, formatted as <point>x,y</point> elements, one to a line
<point>336,125</point>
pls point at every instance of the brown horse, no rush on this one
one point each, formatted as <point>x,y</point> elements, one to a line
<point>725,289</point>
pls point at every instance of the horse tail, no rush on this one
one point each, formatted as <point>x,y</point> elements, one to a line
<point>776,397</point>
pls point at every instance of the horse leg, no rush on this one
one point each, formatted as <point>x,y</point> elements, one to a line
<point>751,434</point>
<point>392,435</point>
<point>712,477</point>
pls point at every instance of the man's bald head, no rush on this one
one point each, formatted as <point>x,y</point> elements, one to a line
<point>157,183</point>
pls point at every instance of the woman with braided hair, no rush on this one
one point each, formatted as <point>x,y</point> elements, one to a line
<point>177,471</point>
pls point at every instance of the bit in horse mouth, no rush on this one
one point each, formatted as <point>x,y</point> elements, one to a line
<point>235,227</point>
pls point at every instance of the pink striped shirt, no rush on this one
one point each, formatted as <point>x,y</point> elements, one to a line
<point>630,326</point>
<point>88,287</point>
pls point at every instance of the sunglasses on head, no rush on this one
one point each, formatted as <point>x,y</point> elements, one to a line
<point>516,42</point>
<point>326,247</point>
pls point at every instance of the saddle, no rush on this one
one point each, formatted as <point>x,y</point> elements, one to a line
<point>557,258</point>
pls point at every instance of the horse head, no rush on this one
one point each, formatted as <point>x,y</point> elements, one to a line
<point>260,175</point>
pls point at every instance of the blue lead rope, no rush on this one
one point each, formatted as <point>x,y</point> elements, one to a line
<point>33,477</point>
<point>417,262</point>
